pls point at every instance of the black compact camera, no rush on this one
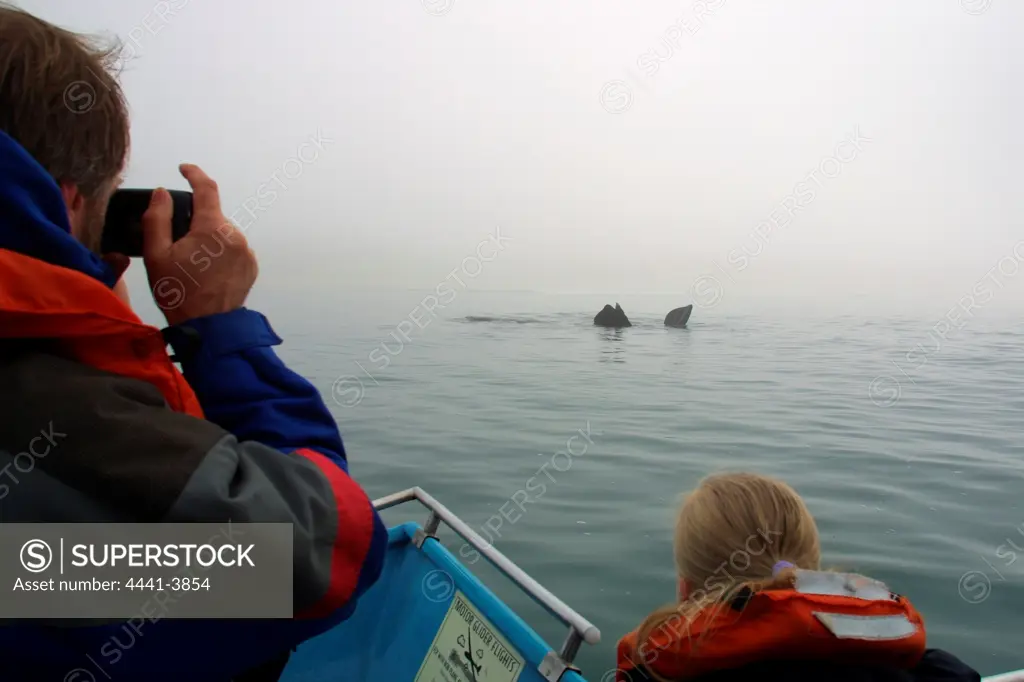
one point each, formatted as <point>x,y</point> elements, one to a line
<point>122,231</point>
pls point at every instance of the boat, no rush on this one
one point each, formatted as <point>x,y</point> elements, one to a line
<point>429,619</point>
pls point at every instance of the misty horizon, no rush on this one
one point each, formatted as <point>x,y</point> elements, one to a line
<point>798,152</point>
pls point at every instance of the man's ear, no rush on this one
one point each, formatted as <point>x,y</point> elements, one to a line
<point>75,203</point>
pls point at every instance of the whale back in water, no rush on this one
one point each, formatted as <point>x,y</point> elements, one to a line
<point>679,316</point>
<point>612,317</point>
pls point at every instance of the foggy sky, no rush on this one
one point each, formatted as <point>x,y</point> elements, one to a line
<point>620,147</point>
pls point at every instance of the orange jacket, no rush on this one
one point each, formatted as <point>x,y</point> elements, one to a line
<point>793,624</point>
<point>93,326</point>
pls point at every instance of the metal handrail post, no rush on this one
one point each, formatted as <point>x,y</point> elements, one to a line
<point>571,646</point>
<point>582,629</point>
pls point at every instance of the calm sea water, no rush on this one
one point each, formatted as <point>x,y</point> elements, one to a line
<point>913,466</point>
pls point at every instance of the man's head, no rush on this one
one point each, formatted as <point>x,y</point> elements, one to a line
<point>60,100</point>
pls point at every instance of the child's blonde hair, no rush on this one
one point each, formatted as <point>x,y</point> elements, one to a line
<point>730,533</point>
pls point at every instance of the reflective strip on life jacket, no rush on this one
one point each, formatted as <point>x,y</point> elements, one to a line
<point>841,585</point>
<point>845,626</point>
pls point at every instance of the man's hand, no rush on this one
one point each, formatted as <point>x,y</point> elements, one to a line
<point>208,271</point>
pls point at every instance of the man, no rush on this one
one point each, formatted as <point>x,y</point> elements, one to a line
<point>114,431</point>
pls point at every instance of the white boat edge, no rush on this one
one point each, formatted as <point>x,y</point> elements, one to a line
<point>1015,676</point>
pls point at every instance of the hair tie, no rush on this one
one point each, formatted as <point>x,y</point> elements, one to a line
<point>779,566</point>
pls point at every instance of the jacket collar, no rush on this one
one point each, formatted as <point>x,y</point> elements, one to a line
<point>33,216</point>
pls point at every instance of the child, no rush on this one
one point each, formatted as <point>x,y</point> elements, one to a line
<point>754,605</point>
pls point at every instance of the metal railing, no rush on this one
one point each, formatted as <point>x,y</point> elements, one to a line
<point>580,629</point>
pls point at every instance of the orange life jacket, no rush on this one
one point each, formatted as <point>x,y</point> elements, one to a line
<point>863,624</point>
<point>89,323</point>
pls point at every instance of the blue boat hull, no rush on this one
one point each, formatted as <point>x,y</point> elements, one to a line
<point>394,630</point>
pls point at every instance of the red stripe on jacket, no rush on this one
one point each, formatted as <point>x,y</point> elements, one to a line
<point>352,542</point>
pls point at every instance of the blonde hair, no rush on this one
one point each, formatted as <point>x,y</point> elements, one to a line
<point>730,533</point>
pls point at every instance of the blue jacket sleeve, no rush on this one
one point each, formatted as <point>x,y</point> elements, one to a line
<point>243,386</point>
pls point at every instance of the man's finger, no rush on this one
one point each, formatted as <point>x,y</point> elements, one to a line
<point>205,195</point>
<point>156,225</point>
